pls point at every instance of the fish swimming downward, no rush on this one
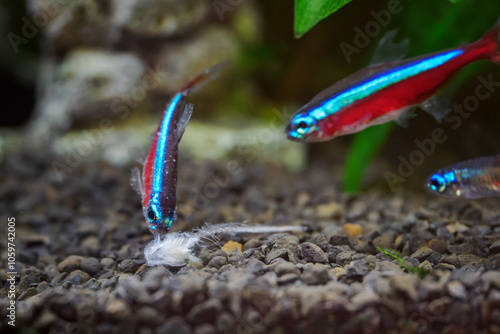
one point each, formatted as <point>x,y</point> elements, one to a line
<point>383,92</point>
<point>158,184</point>
<point>476,178</point>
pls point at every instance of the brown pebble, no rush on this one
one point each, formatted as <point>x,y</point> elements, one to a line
<point>70,263</point>
<point>495,247</point>
<point>422,253</point>
<point>312,253</point>
<point>338,272</point>
<point>329,211</point>
<point>117,310</point>
<point>456,227</point>
<point>217,262</point>
<point>195,265</point>
<point>91,243</point>
<point>232,245</point>
<point>78,277</point>
<point>353,230</point>
<point>439,246</point>
<point>252,243</point>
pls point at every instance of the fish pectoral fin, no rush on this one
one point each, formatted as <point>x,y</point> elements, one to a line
<point>184,120</point>
<point>136,182</point>
<point>138,154</point>
<point>440,104</point>
<point>405,116</point>
<point>152,136</point>
<point>387,50</point>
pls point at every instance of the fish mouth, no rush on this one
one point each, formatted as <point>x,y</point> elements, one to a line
<point>295,139</point>
<point>293,135</point>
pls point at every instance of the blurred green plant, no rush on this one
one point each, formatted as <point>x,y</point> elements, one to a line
<point>395,255</point>
<point>363,149</point>
<point>446,26</point>
<point>309,12</point>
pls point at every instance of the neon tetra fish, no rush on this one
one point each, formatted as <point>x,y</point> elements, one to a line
<point>159,178</point>
<point>474,178</point>
<point>381,93</point>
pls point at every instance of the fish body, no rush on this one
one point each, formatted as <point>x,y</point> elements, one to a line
<point>476,178</point>
<point>158,183</point>
<point>381,93</point>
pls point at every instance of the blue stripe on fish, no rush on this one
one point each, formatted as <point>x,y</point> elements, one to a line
<point>162,144</point>
<point>380,82</point>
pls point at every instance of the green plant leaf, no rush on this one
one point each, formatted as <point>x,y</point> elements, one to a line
<point>309,12</point>
<point>363,148</point>
<point>395,255</point>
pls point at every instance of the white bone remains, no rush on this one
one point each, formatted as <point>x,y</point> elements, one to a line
<point>177,248</point>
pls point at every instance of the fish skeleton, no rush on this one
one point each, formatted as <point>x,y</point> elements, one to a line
<point>476,178</point>
<point>382,92</point>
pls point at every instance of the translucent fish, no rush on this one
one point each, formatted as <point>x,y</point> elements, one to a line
<point>476,178</point>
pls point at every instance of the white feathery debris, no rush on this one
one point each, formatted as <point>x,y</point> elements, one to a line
<point>176,249</point>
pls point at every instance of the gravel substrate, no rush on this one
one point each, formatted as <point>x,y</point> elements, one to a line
<point>81,266</point>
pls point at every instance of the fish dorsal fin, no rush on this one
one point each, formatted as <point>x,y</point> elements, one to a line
<point>184,120</point>
<point>388,50</point>
<point>136,182</point>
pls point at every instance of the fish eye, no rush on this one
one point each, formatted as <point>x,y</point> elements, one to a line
<point>151,215</point>
<point>304,125</point>
<point>437,183</point>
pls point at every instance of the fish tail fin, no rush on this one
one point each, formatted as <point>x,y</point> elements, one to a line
<point>209,74</point>
<point>493,37</point>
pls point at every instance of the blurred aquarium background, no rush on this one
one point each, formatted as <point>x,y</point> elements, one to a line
<point>101,72</point>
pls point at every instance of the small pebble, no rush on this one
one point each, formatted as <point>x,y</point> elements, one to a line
<point>314,275</point>
<point>252,243</point>
<point>456,227</point>
<point>439,246</point>
<point>457,290</point>
<point>385,240</point>
<point>107,263</point>
<point>340,240</point>
<point>117,310</point>
<point>287,278</point>
<point>338,272</point>
<point>217,262</point>
<point>329,211</point>
<point>77,277</point>
<point>425,265</point>
<point>312,253</point>
<point>444,266</point>
<point>352,230</point>
<point>128,266</point>
<point>232,245</point>
<point>91,266</point>
<point>422,253</point>
<point>70,263</point>
<point>286,268</point>
<point>495,247</point>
